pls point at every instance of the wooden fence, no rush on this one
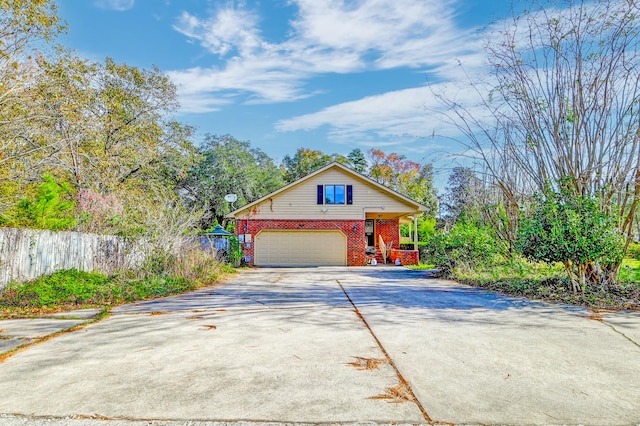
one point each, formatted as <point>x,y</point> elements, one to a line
<point>26,254</point>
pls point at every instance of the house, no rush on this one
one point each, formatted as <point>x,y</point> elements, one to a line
<point>329,217</point>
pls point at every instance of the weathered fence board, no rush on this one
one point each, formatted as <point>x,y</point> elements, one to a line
<point>28,253</point>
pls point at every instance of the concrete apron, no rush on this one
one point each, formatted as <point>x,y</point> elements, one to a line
<point>267,345</point>
<point>281,345</point>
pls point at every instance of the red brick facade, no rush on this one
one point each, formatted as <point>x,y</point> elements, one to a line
<point>355,239</point>
<point>390,231</point>
<point>407,257</point>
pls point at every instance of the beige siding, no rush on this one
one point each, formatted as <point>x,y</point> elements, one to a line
<point>300,201</point>
<point>300,248</point>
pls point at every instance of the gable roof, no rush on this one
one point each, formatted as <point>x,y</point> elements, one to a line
<point>343,168</point>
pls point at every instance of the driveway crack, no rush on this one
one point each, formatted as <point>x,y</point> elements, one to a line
<point>621,333</point>
<point>403,382</point>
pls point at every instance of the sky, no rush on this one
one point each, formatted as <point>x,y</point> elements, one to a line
<point>331,75</point>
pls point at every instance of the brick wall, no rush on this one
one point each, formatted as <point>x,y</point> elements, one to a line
<point>407,257</point>
<point>355,240</point>
<point>390,231</point>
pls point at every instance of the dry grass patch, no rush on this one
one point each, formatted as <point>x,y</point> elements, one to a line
<point>397,394</point>
<point>362,363</point>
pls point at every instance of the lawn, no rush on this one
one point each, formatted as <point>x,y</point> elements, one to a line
<point>540,281</point>
<point>72,289</point>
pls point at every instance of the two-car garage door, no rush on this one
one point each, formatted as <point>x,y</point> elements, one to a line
<point>300,248</point>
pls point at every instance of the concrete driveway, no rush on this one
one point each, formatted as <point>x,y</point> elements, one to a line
<point>333,345</point>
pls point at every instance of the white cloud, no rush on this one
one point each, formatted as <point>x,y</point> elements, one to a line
<point>327,36</point>
<point>230,29</point>
<point>118,5</point>
<point>392,116</point>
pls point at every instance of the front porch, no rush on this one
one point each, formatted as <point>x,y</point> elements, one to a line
<point>383,238</point>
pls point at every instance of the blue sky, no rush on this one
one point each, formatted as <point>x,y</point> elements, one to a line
<point>324,74</point>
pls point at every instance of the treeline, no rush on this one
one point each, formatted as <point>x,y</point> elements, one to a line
<point>226,165</point>
<point>92,146</point>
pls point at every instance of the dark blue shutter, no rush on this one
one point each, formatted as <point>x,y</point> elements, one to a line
<point>320,194</point>
<point>349,194</point>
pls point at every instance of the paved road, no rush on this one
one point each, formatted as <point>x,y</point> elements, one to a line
<point>332,345</point>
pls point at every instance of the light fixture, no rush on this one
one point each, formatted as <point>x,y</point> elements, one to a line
<point>355,228</point>
<point>324,210</point>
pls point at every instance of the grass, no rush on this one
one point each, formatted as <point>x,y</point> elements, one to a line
<point>72,289</point>
<point>540,281</point>
<point>630,271</point>
<point>422,267</point>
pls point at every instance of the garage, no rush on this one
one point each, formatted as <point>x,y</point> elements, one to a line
<point>300,248</point>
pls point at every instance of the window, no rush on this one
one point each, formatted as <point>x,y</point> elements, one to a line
<point>334,194</point>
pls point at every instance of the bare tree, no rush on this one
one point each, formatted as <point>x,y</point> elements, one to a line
<point>563,105</point>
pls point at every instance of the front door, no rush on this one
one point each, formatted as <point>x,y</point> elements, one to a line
<point>368,231</point>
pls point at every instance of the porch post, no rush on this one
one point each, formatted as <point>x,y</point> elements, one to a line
<point>415,231</point>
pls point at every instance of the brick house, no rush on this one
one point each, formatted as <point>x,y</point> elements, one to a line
<point>333,216</point>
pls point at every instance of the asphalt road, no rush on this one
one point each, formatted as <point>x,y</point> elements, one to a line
<point>373,345</point>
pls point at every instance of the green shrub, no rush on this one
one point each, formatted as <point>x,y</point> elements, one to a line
<point>69,287</point>
<point>409,246</point>
<point>466,245</point>
<point>162,275</point>
<point>574,231</point>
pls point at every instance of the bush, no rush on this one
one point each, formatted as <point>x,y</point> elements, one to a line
<point>465,245</point>
<point>187,261</point>
<point>409,246</point>
<point>162,274</point>
<point>69,287</point>
<point>574,231</point>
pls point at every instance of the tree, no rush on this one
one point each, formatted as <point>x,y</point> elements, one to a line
<point>23,24</point>
<point>357,161</point>
<point>461,198</point>
<point>304,161</point>
<point>52,207</point>
<point>407,177</point>
<point>562,106</point>
<point>228,166</point>
<point>574,231</point>
<point>102,128</point>
<point>103,124</point>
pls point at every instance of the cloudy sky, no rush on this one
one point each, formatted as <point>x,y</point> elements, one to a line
<point>325,74</point>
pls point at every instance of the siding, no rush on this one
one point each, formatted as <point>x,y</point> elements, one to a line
<point>300,201</point>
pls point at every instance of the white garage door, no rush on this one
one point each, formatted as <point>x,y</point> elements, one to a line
<point>300,248</point>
